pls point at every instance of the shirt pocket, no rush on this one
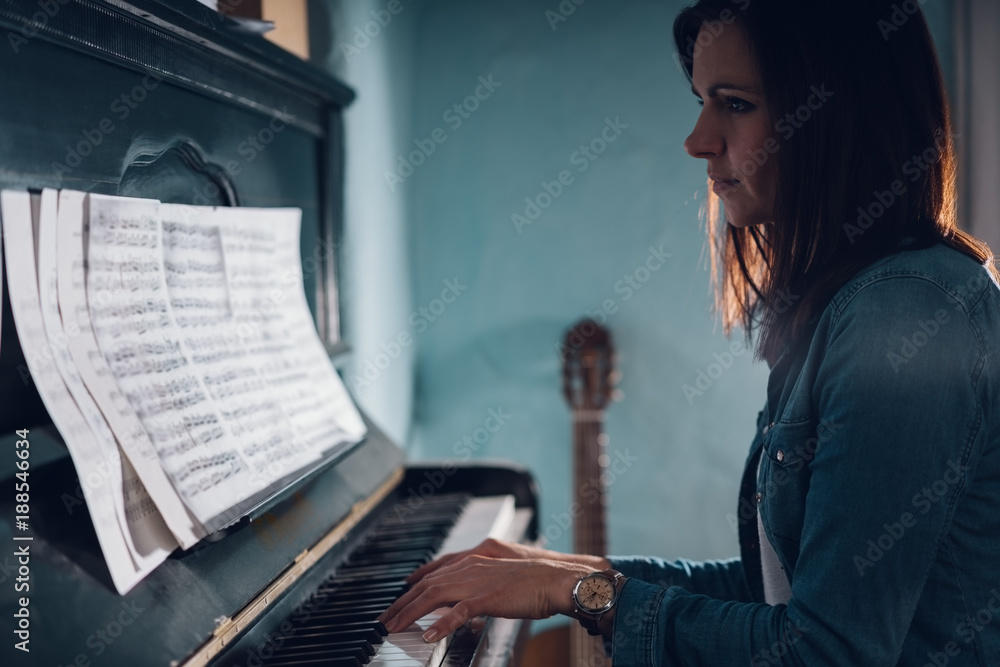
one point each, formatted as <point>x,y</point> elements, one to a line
<point>783,482</point>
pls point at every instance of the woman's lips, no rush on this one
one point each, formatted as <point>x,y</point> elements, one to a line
<point>721,187</point>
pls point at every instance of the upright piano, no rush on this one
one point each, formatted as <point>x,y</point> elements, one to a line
<point>167,99</point>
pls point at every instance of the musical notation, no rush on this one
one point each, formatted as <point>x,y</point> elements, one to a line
<point>192,370</point>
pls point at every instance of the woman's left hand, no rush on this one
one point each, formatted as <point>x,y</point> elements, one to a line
<point>481,586</point>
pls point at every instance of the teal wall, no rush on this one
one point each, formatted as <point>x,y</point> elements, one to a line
<point>376,272</point>
<point>493,346</point>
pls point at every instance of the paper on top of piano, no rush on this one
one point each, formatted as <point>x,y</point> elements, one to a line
<point>206,385</point>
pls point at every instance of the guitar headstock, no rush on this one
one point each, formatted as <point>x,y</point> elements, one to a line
<point>588,366</point>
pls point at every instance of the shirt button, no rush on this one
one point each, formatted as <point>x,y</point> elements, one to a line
<point>767,428</point>
<point>780,456</point>
<point>758,497</point>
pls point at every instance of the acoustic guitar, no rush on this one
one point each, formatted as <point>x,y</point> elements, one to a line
<point>588,385</point>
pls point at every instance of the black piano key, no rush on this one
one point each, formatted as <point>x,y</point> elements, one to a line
<point>376,597</point>
<point>411,535</point>
<point>402,570</point>
<point>351,605</point>
<point>333,635</point>
<point>325,662</point>
<point>462,648</point>
<point>347,603</point>
<point>363,629</point>
<point>348,579</point>
<point>371,593</point>
<point>341,650</point>
<point>390,558</point>
<point>340,618</point>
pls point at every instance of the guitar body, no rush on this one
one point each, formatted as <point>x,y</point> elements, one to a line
<point>587,361</point>
<point>548,649</point>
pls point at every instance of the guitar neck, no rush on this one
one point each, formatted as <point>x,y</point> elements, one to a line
<point>589,496</point>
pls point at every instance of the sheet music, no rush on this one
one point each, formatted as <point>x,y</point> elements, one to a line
<point>264,272</point>
<point>96,374</point>
<point>139,338</point>
<point>148,539</point>
<point>19,242</point>
<point>175,351</point>
<point>201,299</point>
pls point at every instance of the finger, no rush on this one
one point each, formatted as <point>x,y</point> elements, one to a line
<point>387,616</point>
<point>409,611</point>
<point>425,597</point>
<point>434,565</point>
<point>458,616</point>
<point>404,602</point>
<point>489,547</point>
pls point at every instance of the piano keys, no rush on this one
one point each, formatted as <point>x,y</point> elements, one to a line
<point>335,624</point>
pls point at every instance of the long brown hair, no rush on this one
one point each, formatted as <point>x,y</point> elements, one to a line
<point>872,166</point>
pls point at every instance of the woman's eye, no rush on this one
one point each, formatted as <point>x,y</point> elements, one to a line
<point>736,105</point>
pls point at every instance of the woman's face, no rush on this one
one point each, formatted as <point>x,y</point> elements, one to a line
<point>734,131</point>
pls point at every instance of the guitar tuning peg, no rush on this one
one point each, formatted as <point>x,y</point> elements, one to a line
<point>617,395</point>
<point>614,377</point>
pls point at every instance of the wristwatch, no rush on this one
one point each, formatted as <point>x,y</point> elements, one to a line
<point>595,595</point>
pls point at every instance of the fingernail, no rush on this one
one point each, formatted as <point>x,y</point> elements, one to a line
<point>391,625</point>
<point>431,635</point>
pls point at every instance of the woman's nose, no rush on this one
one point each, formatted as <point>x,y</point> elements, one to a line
<point>704,141</point>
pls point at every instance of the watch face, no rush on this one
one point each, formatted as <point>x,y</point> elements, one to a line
<point>594,593</point>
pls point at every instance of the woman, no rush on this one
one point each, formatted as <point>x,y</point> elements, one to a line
<point>868,518</point>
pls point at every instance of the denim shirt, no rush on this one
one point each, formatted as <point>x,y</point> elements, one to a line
<point>878,487</point>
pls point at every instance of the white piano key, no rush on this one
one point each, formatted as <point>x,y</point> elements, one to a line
<point>489,516</point>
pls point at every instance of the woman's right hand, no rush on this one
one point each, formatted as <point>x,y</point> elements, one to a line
<point>492,548</point>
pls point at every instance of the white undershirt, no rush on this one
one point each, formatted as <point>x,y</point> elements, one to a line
<point>777,590</point>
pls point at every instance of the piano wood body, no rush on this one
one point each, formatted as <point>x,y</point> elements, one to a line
<point>73,73</point>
